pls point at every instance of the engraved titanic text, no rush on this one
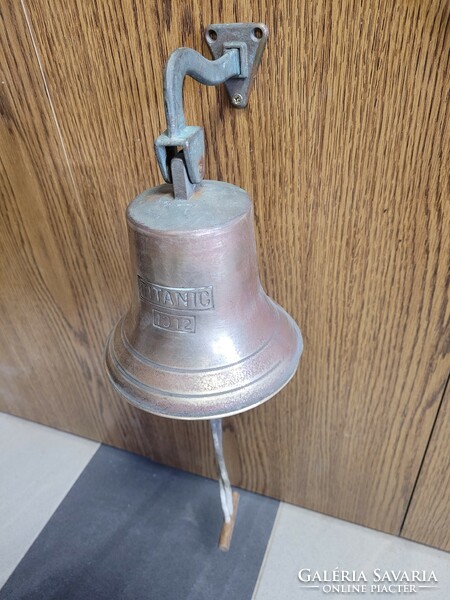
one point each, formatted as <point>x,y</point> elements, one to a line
<point>180,323</point>
<point>176,298</point>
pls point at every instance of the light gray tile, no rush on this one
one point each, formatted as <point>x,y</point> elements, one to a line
<point>38,466</point>
<point>302,539</point>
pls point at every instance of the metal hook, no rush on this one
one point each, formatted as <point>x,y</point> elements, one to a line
<point>237,50</point>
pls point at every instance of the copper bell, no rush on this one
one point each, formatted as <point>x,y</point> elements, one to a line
<point>201,340</point>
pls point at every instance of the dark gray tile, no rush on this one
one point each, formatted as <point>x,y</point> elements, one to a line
<point>130,529</point>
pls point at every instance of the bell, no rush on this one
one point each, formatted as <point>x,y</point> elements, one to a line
<point>202,339</point>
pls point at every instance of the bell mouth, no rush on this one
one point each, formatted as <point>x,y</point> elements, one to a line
<point>213,393</point>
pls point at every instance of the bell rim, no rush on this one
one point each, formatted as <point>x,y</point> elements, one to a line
<point>144,407</point>
<point>118,377</point>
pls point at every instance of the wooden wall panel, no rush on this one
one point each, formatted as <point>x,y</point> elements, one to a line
<point>57,304</point>
<point>345,150</point>
<point>47,347</point>
<point>428,517</point>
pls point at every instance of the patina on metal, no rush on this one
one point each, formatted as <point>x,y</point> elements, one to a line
<point>201,340</point>
<point>237,48</point>
<point>250,39</point>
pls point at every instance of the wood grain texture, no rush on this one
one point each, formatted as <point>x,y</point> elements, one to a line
<point>345,150</point>
<point>57,304</point>
<point>428,517</point>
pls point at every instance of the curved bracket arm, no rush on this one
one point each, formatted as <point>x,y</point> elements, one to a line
<point>186,61</point>
<point>182,62</point>
<point>237,50</point>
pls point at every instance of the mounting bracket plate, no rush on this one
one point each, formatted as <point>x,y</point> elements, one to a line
<point>249,39</point>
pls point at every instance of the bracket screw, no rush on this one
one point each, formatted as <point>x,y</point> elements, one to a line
<point>237,100</point>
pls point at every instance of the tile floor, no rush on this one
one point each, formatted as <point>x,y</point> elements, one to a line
<point>303,539</point>
<point>79,520</point>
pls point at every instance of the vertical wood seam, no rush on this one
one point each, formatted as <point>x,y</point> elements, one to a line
<point>419,471</point>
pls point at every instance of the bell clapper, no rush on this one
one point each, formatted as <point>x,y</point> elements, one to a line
<point>228,498</point>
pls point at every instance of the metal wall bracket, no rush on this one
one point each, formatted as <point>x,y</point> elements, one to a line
<point>249,39</point>
<point>237,50</point>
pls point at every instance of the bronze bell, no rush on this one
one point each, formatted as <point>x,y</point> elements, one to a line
<point>201,340</point>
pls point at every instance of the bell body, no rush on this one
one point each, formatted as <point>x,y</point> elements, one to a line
<point>201,339</point>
